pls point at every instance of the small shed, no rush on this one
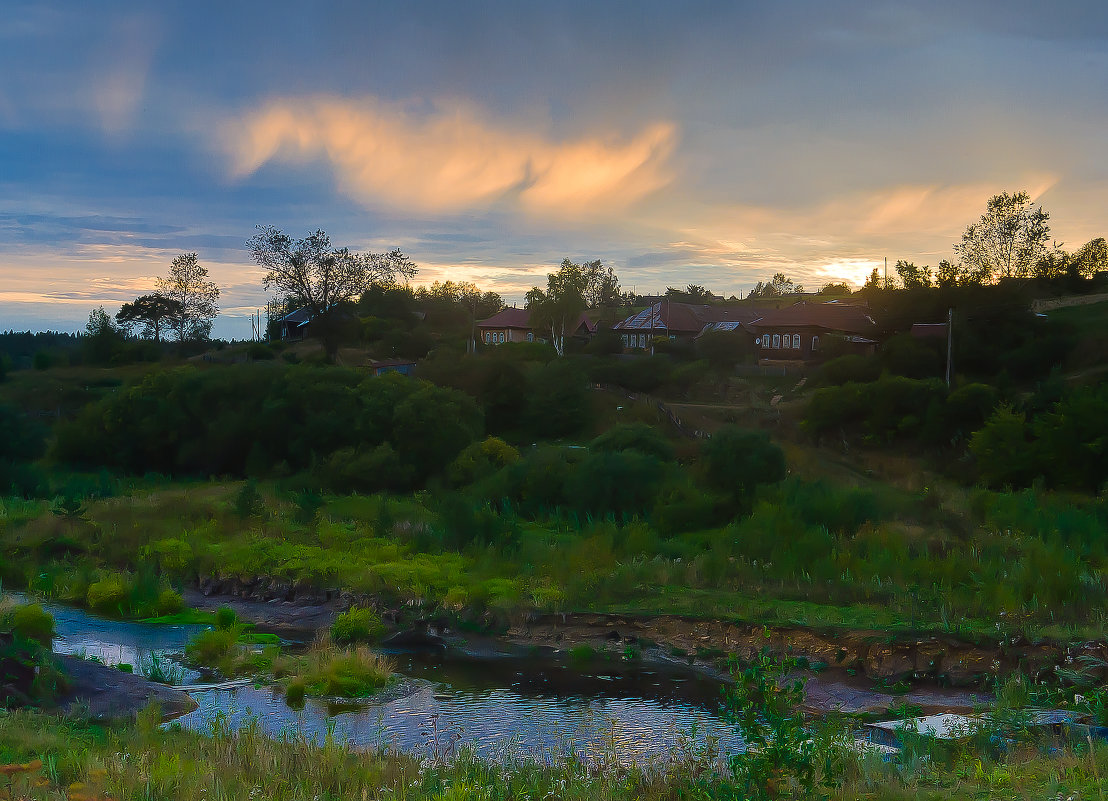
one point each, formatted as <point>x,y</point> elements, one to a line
<point>295,325</point>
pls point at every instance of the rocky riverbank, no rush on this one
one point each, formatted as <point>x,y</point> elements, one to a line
<point>100,692</point>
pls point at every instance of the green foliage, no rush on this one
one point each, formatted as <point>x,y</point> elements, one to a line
<point>347,674</point>
<point>736,460</point>
<point>254,418</point>
<point>357,624</point>
<point>32,622</point>
<point>480,459</point>
<point>214,648</point>
<point>248,502</point>
<point>1003,449</point>
<point>640,437</point>
<point>108,596</point>
<point>21,439</point>
<point>226,618</point>
<point>969,406</point>
<point>892,407</point>
<point>170,602</point>
<point>1067,444</point>
<point>780,755</point>
<point>560,403</point>
<point>851,368</point>
<point>906,355</point>
<point>724,349</point>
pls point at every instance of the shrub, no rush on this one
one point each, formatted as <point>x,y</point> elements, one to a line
<point>357,624</point>
<point>32,622</point>
<point>294,694</point>
<point>342,673</point>
<point>968,407</point>
<point>847,369</point>
<point>108,596</point>
<point>170,602</point>
<point>225,618</point>
<point>622,483</point>
<point>479,459</point>
<point>645,439</point>
<point>736,460</point>
<point>560,403</point>
<point>248,501</point>
<point>213,648</point>
<point>259,352</point>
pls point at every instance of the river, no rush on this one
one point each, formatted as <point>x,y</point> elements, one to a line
<point>497,706</point>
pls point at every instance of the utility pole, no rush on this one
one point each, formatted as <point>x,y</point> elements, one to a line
<point>949,344</point>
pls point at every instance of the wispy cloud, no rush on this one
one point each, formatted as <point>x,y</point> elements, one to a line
<point>452,157</point>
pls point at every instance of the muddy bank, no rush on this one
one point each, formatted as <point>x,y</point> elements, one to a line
<point>301,614</point>
<point>875,655</point>
<point>105,693</point>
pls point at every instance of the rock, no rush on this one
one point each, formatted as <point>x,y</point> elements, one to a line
<point>891,662</point>
<point>928,658</point>
<point>962,668</point>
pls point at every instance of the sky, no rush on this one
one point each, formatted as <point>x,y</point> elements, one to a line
<point>692,142</point>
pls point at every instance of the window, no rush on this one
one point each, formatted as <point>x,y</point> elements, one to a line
<point>642,340</point>
<point>776,340</point>
<point>488,337</point>
<point>501,336</point>
<point>530,336</point>
<point>796,341</point>
<point>815,344</point>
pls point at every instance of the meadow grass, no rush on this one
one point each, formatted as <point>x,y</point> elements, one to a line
<point>77,760</point>
<point>818,553</point>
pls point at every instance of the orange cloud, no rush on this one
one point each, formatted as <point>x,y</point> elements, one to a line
<point>451,158</point>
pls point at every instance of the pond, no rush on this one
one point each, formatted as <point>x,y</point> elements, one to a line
<point>496,705</point>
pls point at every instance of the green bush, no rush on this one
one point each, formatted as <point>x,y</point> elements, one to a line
<point>109,596</point>
<point>736,460</point>
<point>645,439</point>
<point>226,618</point>
<point>213,648</point>
<point>357,624</point>
<point>480,459</point>
<point>32,622</point>
<point>259,352</point>
<point>170,602</point>
<point>847,369</point>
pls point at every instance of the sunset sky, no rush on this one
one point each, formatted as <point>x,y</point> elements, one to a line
<point>681,142</point>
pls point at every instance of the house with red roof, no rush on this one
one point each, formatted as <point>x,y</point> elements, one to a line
<point>675,320</point>
<point>514,325</point>
<point>798,333</point>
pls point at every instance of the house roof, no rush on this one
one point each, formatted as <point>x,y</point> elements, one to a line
<point>690,318</point>
<point>829,316</point>
<point>300,316</point>
<point>508,318</point>
<point>521,318</point>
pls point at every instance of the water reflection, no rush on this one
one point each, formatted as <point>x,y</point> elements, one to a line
<point>535,707</point>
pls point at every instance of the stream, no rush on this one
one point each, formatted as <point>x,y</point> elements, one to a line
<point>497,706</point>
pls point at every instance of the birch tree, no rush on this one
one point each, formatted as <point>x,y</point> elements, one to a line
<point>187,285</point>
<point>1008,240</point>
<point>559,307</point>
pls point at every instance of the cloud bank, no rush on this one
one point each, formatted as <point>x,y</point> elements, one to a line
<point>451,157</point>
